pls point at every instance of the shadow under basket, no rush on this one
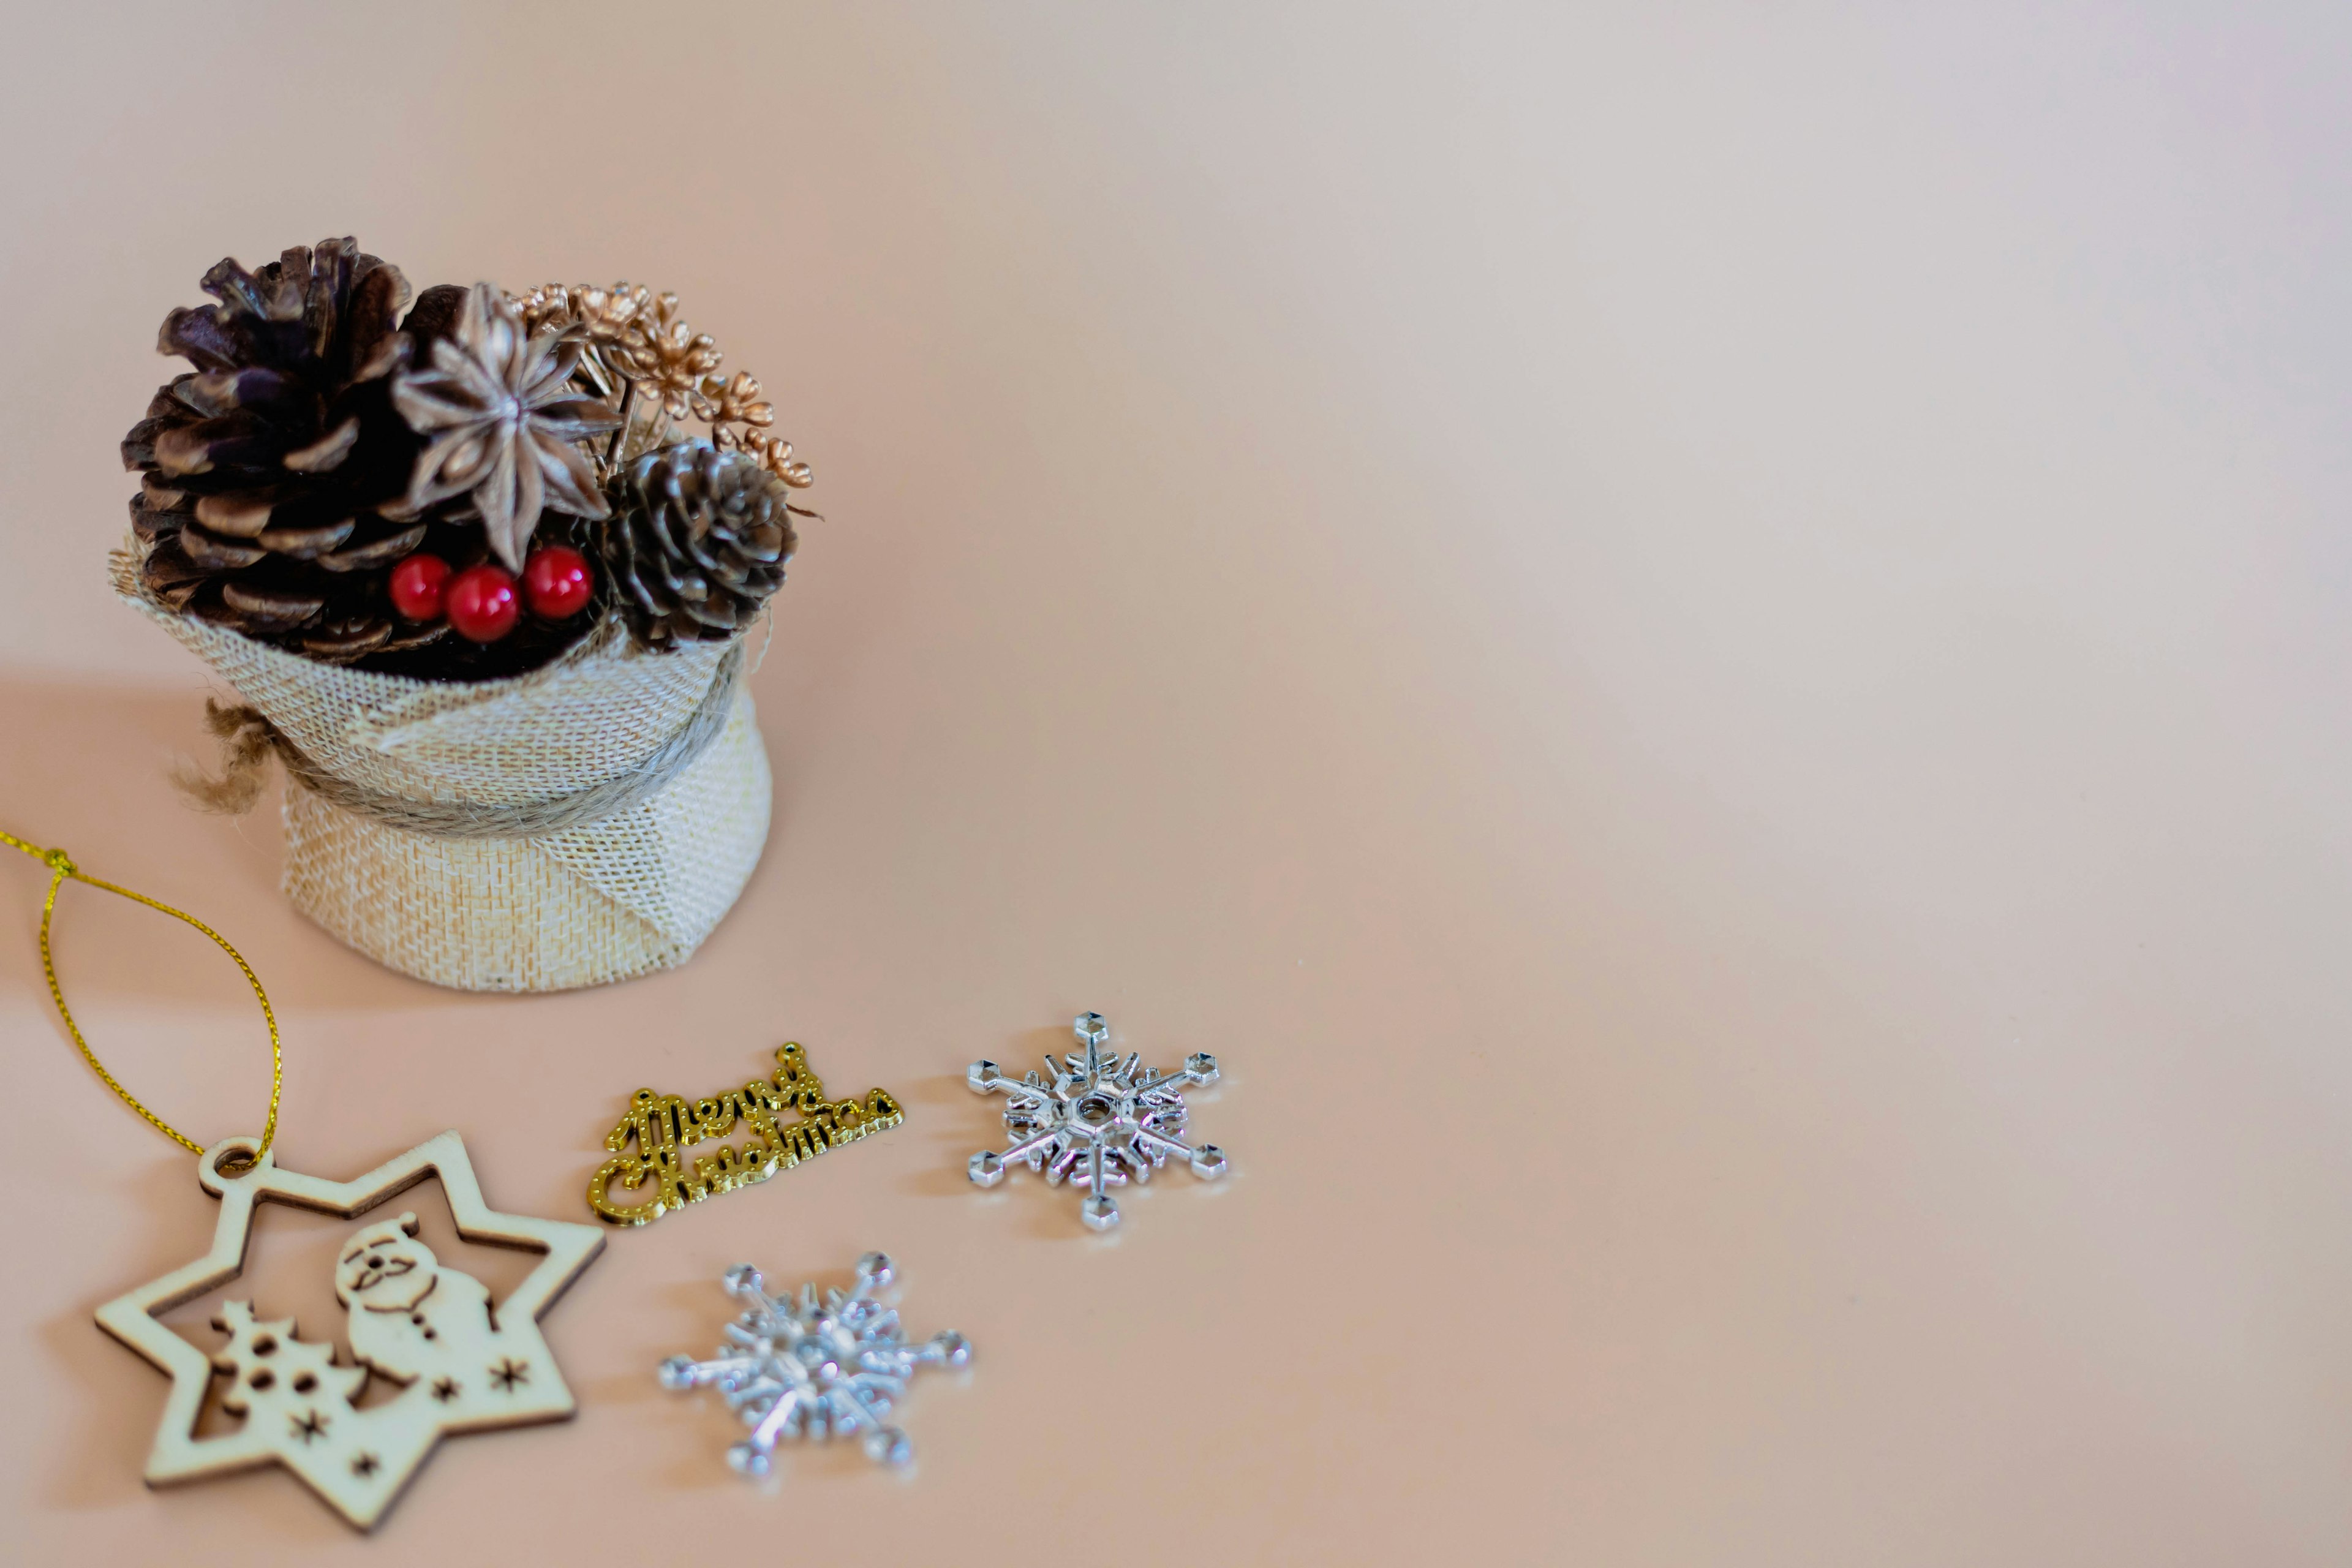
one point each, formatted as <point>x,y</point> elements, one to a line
<point>588,821</point>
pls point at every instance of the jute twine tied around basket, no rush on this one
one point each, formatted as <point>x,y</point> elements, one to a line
<point>248,740</point>
<point>588,821</point>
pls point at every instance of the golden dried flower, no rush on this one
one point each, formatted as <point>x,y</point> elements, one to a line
<point>608,313</point>
<point>723,401</point>
<point>642,357</point>
<point>775,455</point>
<point>603,315</point>
<point>667,358</point>
<point>545,309</point>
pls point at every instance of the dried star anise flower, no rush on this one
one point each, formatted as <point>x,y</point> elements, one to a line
<point>505,422</point>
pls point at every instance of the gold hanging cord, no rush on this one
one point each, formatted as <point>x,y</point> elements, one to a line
<point>62,866</point>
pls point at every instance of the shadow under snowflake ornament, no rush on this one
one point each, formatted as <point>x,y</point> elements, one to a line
<point>1096,1120</point>
<point>804,1368</point>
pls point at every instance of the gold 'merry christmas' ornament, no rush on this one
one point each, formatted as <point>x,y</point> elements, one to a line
<point>660,1125</point>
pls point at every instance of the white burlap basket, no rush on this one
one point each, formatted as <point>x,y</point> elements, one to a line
<point>625,894</point>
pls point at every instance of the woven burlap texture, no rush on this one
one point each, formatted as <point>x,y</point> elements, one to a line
<point>632,893</point>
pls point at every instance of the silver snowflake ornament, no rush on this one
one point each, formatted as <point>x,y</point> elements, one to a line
<point>802,1367</point>
<point>1096,1120</point>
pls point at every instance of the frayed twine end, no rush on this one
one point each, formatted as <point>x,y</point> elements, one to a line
<point>246,742</point>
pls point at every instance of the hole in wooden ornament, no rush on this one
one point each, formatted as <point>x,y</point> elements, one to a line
<point>262,1377</point>
<point>234,1162</point>
<point>375,1391</point>
<point>305,1383</point>
<point>265,1345</point>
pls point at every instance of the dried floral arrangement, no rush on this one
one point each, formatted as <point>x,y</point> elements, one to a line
<point>457,488</point>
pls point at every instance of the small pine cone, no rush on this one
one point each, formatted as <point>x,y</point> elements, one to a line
<point>698,542</point>
<point>261,470</point>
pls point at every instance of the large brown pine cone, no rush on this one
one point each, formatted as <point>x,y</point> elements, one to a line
<point>697,541</point>
<point>265,467</point>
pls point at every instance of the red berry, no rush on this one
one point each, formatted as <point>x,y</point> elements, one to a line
<point>482,604</point>
<point>418,584</point>
<point>555,580</point>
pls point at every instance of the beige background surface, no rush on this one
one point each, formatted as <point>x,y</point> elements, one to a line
<point>1707,644</point>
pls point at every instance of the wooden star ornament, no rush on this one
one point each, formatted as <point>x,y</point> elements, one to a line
<point>460,1362</point>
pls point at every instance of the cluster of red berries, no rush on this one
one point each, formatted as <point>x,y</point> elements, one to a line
<point>483,603</point>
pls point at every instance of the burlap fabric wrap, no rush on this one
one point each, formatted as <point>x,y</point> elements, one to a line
<point>625,894</point>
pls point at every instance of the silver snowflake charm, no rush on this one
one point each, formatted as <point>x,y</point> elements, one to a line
<point>797,1367</point>
<point>1096,1120</point>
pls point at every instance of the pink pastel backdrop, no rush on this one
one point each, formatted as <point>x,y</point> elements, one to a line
<point>1707,643</point>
